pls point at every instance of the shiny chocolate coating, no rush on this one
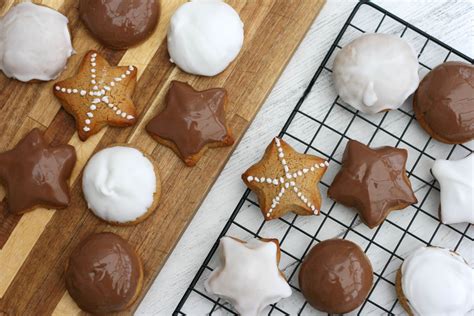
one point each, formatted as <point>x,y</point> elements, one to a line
<point>104,274</point>
<point>444,102</point>
<point>373,180</point>
<point>191,119</point>
<point>120,24</point>
<point>36,174</point>
<point>335,276</point>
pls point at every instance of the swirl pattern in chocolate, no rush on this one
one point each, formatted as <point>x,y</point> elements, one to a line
<point>36,174</point>
<point>444,102</point>
<point>336,276</point>
<point>104,274</point>
<point>120,23</point>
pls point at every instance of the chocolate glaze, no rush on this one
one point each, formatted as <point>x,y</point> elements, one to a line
<point>120,23</point>
<point>35,174</point>
<point>104,274</point>
<point>373,181</point>
<point>444,102</point>
<point>191,118</point>
<point>336,276</point>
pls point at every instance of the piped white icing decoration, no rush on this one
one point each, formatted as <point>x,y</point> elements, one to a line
<point>205,36</point>
<point>456,181</point>
<point>376,72</point>
<point>248,276</point>
<point>98,90</point>
<point>287,182</point>
<point>436,281</point>
<point>119,184</point>
<point>34,42</point>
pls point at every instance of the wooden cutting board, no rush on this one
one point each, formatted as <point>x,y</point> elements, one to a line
<point>34,247</point>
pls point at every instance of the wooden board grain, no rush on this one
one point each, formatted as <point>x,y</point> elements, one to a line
<point>35,246</point>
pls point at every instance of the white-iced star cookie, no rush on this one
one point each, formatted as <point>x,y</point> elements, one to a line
<point>248,276</point>
<point>456,181</point>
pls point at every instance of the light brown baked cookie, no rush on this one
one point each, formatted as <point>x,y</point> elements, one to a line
<point>98,95</point>
<point>401,296</point>
<point>286,181</point>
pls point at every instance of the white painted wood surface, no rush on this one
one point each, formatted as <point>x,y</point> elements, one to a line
<point>450,21</point>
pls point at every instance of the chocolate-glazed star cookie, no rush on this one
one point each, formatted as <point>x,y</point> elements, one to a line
<point>286,181</point>
<point>98,95</point>
<point>191,122</point>
<point>35,174</point>
<point>373,181</point>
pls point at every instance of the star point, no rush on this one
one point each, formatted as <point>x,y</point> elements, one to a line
<point>35,174</point>
<point>456,181</point>
<point>249,276</point>
<point>192,121</point>
<point>372,180</point>
<point>98,95</point>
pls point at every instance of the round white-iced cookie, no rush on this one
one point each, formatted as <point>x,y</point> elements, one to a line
<point>456,181</point>
<point>376,72</point>
<point>205,36</point>
<point>436,281</point>
<point>35,43</point>
<point>121,185</point>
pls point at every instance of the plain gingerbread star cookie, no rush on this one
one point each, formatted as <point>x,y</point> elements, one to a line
<point>286,181</point>
<point>249,277</point>
<point>456,181</point>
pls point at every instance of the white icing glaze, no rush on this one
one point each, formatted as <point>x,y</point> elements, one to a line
<point>248,276</point>
<point>34,42</point>
<point>287,181</point>
<point>119,184</point>
<point>204,37</point>
<point>436,281</point>
<point>456,181</point>
<point>376,72</point>
<point>98,90</point>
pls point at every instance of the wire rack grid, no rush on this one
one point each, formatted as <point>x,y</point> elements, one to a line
<point>321,124</point>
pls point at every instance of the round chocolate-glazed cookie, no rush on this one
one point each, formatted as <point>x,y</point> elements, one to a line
<point>336,276</point>
<point>104,274</point>
<point>120,24</point>
<point>444,102</point>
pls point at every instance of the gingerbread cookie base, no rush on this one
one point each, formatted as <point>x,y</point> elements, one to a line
<point>193,159</point>
<point>98,95</point>
<point>285,180</point>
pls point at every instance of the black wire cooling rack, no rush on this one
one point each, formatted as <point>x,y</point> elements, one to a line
<point>321,123</point>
